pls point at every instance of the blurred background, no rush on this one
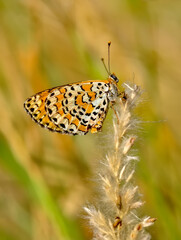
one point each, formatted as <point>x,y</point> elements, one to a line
<point>46,178</point>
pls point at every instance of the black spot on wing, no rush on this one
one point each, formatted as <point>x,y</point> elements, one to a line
<point>52,94</point>
<point>49,110</point>
<point>81,113</point>
<point>55,119</point>
<point>95,113</point>
<point>93,119</point>
<point>62,125</point>
<point>84,121</point>
<point>48,102</point>
<point>77,116</point>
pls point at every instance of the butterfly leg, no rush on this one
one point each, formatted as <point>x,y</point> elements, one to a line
<point>123,96</point>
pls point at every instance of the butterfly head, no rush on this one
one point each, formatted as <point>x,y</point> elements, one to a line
<point>113,77</point>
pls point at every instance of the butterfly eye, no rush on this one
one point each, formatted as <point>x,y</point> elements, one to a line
<point>114,78</point>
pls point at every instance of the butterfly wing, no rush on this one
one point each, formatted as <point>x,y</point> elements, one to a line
<point>35,107</point>
<point>71,109</point>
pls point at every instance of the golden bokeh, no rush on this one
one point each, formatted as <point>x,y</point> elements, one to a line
<point>46,178</point>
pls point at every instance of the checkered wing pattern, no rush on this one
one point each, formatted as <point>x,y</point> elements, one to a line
<point>73,109</point>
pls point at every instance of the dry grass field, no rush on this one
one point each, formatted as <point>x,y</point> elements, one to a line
<point>46,178</point>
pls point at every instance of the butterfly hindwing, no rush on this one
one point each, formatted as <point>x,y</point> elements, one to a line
<point>73,109</point>
<point>79,107</point>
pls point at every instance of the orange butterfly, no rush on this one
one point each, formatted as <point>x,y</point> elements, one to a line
<point>76,108</point>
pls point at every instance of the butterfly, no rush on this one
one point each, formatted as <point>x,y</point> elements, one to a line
<point>75,108</point>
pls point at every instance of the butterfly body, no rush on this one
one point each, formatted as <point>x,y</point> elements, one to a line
<point>73,109</point>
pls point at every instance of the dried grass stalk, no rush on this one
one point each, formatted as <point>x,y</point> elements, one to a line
<point>116,216</point>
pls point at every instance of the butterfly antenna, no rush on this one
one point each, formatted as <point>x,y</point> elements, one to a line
<point>102,59</point>
<point>109,44</point>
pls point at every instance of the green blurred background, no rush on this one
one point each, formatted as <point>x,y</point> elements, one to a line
<point>46,178</point>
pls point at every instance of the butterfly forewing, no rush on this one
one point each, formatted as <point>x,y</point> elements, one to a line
<point>71,109</point>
